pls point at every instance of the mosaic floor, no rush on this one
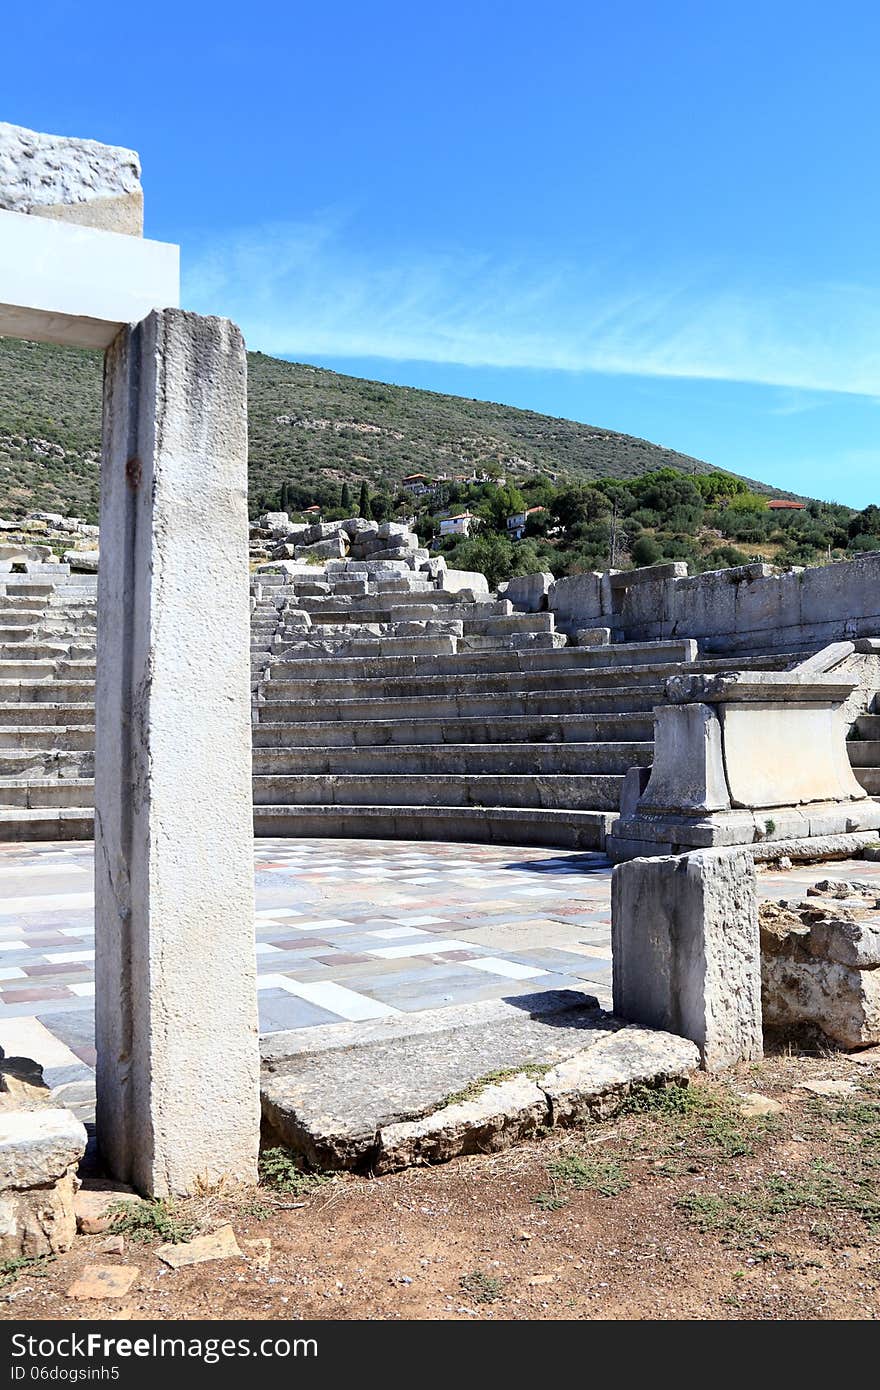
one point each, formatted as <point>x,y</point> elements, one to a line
<point>346,929</point>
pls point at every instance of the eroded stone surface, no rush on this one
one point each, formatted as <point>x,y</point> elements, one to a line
<point>820,962</point>
<point>686,952</point>
<point>594,1082</point>
<point>40,1149</point>
<point>70,179</point>
<point>499,1115</point>
<point>381,1099</point>
<point>217,1245</point>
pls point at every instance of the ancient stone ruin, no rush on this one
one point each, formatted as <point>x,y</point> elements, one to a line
<point>185,680</point>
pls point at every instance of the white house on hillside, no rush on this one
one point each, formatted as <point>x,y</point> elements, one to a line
<point>516,524</point>
<point>458,525</point>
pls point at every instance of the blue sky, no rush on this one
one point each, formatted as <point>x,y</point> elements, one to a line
<point>657,217</point>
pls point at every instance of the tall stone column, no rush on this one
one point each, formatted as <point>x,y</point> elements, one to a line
<point>176,1004</point>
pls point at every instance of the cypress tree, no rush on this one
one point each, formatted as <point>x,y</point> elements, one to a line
<point>364,508</point>
<point>345,499</point>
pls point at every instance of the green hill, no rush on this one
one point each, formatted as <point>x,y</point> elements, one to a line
<point>309,428</point>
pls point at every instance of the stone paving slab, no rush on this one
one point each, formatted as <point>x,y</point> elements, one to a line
<point>458,1080</point>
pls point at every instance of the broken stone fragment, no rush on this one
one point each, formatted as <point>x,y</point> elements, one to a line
<point>40,1150</point>
<point>21,1084</point>
<point>502,1114</point>
<point>593,1084</point>
<point>218,1245</point>
<point>96,1209</point>
<point>104,1281</point>
<point>822,969</point>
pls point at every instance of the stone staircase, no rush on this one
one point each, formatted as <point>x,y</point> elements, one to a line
<point>385,704</point>
<point>864,749</point>
<point>47,699</point>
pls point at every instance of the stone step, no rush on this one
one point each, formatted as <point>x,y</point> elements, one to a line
<point>499,825</point>
<point>513,642</point>
<point>26,670</point>
<point>289,681</point>
<point>42,763</point>
<point>36,651</point>
<point>868,726</point>
<point>70,736</point>
<point>62,666</point>
<point>47,792</point>
<point>22,603</point>
<point>514,623</point>
<point>864,752</point>
<point>46,823</point>
<point>373,610</point>
<point>58,691</point>
<point>510,659</point>
<point>349,648</point>
<point>489,704</point>
<point>869,778</point>
<point>530,728</point>
<point>593,791</point>
<point>46,712</point>
<point>456,759</point>
<point>418,627</point>
<point>478,1077</point>
<point>25,588</point>
<point>17,617</point>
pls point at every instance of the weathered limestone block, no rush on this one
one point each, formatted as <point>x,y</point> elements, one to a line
<point>501,1115</point>
<point>397,532</point>
<point>21,1084</point>
<point>594,1083</point>
<point>70,180</point>
<point>358,526</point>
<point>81,561</point>
<point>820,964</point>
<point>321,531</point>
<point>40,1150</point>
<point>685,950</point>
<point>277,523</point>
<point>455,581</point>
<point>331,549</point>
<point>529,592</point>
<point>175,967</point>
<point>688,772</point>
<point>593,636</point>
<point>577,600</point>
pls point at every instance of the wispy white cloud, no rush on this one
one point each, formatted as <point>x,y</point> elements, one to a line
<point>307,290</point>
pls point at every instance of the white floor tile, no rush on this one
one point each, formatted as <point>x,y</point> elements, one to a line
<point>510,969</point>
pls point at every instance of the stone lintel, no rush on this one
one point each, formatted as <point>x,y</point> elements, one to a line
<point>77,286</point>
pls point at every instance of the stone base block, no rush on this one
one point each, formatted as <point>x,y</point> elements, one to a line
<point>685,951</point>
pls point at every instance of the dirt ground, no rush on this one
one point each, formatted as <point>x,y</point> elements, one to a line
<point>679,1207</point>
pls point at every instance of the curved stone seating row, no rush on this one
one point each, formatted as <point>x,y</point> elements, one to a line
<point>384,705</point>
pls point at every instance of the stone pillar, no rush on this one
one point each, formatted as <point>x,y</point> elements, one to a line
<point>686,954</point>
<point>176,1005</point>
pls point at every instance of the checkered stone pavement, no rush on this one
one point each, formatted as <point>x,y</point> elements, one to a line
<point>345,930</point>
